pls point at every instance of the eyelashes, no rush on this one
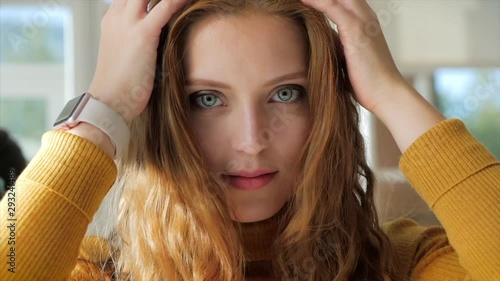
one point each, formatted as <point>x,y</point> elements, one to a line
<point>207,99</point>
<point>288,93</point>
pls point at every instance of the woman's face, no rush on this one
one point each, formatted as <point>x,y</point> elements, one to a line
<point>247,82</point>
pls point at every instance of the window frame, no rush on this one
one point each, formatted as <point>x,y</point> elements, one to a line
<point>82,32</point>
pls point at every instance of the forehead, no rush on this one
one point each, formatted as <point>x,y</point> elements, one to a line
<point>251,42</point>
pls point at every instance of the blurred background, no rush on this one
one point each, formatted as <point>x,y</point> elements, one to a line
<point>449,51</point>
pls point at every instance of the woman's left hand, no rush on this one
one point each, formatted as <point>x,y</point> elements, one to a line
<point>377,83</point>
<point>371,69</point>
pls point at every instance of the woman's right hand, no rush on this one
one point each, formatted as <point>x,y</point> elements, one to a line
<point>126,64</point>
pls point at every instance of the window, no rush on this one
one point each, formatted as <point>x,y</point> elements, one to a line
<point>472,95</point>
<point>31,35</point>
<point>34,40</point>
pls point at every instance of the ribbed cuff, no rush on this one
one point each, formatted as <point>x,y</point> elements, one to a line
<point>443,157</point>
<point>74,168</point>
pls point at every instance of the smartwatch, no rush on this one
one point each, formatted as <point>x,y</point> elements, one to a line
<point>86,109</point>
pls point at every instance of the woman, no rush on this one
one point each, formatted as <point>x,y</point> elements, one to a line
<point>245,157</point>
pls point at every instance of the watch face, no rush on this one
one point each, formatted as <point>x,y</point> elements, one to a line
<point>69,110</point>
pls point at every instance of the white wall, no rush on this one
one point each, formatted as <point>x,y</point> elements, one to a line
<point>427,34</point>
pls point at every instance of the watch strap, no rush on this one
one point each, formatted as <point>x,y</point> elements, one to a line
<point>107,120</point>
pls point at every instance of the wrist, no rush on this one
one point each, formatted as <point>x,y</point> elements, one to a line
<point>389,92</point>
<point>398,94</point>
<point>94,135</point>
<point>116,103</point>
<point>104,120</point>
<point>406,114</point>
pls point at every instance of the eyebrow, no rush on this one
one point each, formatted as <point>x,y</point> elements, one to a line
<point>221,85</point>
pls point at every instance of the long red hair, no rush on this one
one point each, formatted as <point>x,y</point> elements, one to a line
<point>174,221</point>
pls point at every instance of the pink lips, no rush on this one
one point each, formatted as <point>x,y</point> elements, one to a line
<point>250,180</point>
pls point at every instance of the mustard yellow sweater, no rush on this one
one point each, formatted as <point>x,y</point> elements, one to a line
<point>47,213</point>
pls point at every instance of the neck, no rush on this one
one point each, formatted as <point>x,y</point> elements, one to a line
<point>258,237</point>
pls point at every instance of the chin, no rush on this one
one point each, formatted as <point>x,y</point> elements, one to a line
<point>255,213</point>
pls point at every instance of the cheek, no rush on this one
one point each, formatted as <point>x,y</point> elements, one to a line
<point>291,123</point>
<point>291,142</point>
<point>292,131</point>
<point>210,138</point>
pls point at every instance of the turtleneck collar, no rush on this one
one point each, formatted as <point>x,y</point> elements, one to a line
<point>258,237</point>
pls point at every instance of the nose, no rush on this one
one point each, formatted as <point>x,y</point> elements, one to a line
<point>250,134</point>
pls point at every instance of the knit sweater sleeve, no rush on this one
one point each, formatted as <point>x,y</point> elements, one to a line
<point>54,200</point>
<point>460,181</point>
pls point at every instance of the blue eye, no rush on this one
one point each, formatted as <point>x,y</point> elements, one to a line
<point>288,94</point>
<point>206,100</point>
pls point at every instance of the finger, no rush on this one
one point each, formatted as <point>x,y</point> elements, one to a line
<point>334,10</point>
<point>137,7</point>
<point>344,12</point>
<point>163,11</point>
<point>355,33</point>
